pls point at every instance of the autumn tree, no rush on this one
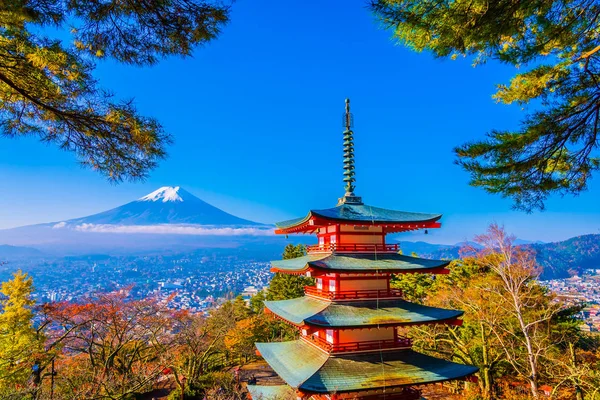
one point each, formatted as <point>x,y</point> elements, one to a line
<point>113,347</point>
<point>574,364</point>
<point>198,349</point>
<point>524,332</point>
<point>47,88</point>
<point>555,45</point>
<point>20,344</point>
<point>241,338</point>
<point>513,328</point>
<point>466,288</point>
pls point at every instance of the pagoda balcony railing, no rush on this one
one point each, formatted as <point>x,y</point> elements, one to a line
<point>353,248</point>
<point>352,294</point>
<point>349,347</point>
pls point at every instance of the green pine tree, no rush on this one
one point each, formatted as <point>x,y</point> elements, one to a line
<point>47,88</point>
<point>285,286</point>
<point>556,47</point>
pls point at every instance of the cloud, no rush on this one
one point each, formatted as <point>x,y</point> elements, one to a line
<point>199,230</point>
<point>59,225</point>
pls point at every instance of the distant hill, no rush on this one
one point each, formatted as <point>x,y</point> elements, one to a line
<point>575,255</point>
<point>12,252</point>
<point>424,249</point>
<point>558,259</point>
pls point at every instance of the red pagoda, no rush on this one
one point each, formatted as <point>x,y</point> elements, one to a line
<point>349,345</point>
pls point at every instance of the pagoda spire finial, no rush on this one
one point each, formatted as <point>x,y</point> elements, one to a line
<point>349,196</point>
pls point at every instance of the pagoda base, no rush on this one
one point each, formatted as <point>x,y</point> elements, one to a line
<point>284,392</point>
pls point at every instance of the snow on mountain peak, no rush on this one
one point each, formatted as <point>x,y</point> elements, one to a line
<point>164,194</point>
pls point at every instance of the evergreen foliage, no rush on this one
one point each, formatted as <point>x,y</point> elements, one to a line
<point>415,287</point>
<point>47,88</point>
<point>290,251</point>
<point>286,286</point>
<point>555,44</point>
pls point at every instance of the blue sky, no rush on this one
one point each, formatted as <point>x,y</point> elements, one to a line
<point>256,117</point>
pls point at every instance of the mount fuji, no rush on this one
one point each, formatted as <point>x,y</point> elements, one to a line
<point>168,218</point>
<point>167,205</point>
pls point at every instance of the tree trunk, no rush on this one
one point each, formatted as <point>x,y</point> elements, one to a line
<point>530,353</point>
<point>576,383</point>
<point>485,370</point>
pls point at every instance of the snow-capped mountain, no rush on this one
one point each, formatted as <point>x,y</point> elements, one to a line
<point>164,194</point>
<point>167,218</point>
<point>167,205</point>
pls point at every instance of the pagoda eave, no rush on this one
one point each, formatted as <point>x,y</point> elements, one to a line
<point>320,313</point>
<point>310,370</point>
<point>453,321</point>
<point>311,224</point>
<point>358,263</point>
<point>323,271</point>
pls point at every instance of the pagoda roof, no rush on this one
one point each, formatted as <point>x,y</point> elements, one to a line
<point>305,367</point>
<point>357,314</point>
<point>359,262</point>
<point>276,392</point>
<point>359,213</point>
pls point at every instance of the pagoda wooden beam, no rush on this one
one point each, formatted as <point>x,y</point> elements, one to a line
<point>288,272</point>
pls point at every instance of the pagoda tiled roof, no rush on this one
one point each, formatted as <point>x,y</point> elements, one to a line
<point>362,213</point>
<point>305,367</point>
<point>390,262</point>
<point>351,314</point>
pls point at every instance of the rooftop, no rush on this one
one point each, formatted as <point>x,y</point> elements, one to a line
<point>311,311</point>
<point>359,213</point>
<point>307,368</point>
<point>370,262</point>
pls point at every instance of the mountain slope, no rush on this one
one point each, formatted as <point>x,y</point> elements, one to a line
<point>562,259</point>
<point>167,205</point>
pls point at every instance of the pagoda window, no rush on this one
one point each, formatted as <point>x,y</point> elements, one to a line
<point>333,239</point>
<point>329,335</point>
<point>321,241</point>
<point>319,283</point>
<point>332,285</point>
